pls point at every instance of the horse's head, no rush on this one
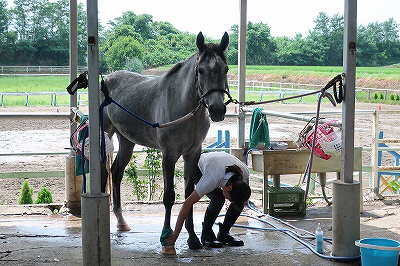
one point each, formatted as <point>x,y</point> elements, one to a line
<point>211,73</point>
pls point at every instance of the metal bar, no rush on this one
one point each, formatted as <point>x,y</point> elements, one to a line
<point>293,116</point>
<point>24,115</point>
<point>242,70</point>
<point>381,149</point>
<point>33,153</point>
<point>94,99</point>
<point>32,174</point>
<point>73,53</point>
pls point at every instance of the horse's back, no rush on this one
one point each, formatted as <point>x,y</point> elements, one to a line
<point>119,79</point>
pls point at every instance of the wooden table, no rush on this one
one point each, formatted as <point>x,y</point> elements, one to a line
<point>284,162</point>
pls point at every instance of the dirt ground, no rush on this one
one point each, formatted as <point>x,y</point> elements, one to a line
<point>44,135</point>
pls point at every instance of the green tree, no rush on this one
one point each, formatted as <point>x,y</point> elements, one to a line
<point>4,18</point>
<point>296,52</point>
<point>141,23</point>
<point>327,38</point>
<point>134,65</point>
<point>44,196</point>
<point>378,44</point>
<point>123,49</point>
<point>7,38</point>
<point>26,194</point>
<point>260,45</point>
<point>42,27</point>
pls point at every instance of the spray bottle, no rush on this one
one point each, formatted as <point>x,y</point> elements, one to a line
<point>319,237</point>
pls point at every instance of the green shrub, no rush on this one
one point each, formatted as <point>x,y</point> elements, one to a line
<point>381,96</point>
<point>44,196</point>
<point>376,96</point>
<point>26,194</point>
<point>135,65</point>
<point>153,163</point>
<point>395,185</point>
<point>139,183</point>
<point>392,97</point>
<point>398,98</point>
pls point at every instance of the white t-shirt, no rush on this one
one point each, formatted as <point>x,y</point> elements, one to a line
<point>212,166</point>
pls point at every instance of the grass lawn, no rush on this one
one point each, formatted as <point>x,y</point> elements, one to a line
<point>59,83</point>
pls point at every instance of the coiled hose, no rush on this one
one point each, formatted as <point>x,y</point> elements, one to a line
<point>292,234</point>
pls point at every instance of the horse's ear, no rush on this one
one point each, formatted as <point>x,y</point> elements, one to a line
<point>224,41</point>
<point>200,42</point>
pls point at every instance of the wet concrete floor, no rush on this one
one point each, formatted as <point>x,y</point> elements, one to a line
<point>54,239</point>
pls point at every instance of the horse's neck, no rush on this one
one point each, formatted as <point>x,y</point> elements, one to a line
<point>187,82</point>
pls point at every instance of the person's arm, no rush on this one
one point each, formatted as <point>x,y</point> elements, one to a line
<point>183,213</point>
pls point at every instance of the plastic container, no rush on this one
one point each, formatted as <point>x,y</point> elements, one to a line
<point>319,239</point>
<point>379,251</point>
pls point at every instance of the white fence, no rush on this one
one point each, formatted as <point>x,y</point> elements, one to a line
<point>373,168</point>
<point>52,98</point>
<point>39,69</point>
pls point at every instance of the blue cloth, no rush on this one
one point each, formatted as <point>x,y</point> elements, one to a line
<point>166,232</point>
<point>259,131</point>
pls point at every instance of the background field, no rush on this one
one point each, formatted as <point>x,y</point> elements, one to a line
<point>368,77</point>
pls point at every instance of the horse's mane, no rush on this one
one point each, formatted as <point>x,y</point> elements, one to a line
<point>210,49</point>
<point>175,68</point>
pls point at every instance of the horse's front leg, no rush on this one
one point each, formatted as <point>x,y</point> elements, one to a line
<point>168,165</point>
<point>190,169</point>
<point>118,168</point>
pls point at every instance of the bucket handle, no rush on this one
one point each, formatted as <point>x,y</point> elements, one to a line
<point>363,245</point>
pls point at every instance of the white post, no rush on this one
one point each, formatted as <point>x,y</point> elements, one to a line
<point>374,155</point>
<point>242,70</point>
<point>96,244</point>
<point>72,182</point>
<point>346,192</point>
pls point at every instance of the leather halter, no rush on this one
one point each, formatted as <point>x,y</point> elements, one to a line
<point>202,96</point>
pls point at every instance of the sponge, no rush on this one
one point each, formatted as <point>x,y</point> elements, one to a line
<point>166,249</point>
<point>166,232</point>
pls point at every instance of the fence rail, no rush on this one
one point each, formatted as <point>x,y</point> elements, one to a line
<point>39,69</point>
<point>52,101</point>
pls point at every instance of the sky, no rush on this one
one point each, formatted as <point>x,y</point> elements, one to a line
<point>214,17</point>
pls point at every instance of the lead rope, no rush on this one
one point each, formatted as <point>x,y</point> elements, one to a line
<point>323,93</point>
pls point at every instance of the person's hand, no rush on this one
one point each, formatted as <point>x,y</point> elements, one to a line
<point>171,239</point>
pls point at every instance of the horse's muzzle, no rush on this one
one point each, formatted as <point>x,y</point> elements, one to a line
<point>217,112</point>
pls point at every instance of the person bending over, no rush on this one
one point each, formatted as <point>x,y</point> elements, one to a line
<point>220,176</point>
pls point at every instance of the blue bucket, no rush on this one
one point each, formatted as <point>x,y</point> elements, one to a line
<point>379,251</point>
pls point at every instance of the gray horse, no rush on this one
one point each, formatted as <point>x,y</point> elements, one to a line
<point>195,85</point>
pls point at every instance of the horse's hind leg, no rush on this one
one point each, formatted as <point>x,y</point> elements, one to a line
<point>190,169</point>
<point>124,155</point>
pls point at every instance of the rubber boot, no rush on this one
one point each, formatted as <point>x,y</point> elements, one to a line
<point>230,218</point>
<point>207,235</point>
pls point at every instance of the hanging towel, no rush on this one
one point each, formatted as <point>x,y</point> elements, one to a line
<point>259,131</point>
<point>78,160</point>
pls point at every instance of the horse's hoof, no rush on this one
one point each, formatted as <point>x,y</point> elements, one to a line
<point>123,227</point>
<point>194,243</point>
<point>169,250</point>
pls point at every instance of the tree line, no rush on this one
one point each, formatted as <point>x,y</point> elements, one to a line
<point>36,32</point>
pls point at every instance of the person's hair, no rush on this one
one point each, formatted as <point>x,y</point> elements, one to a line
<point>241,191</point>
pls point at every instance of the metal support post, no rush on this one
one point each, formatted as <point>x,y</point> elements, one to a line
<point>346,192</point>
<point>242,70</point>
<point>72,182</point>
<point>96,244</point>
